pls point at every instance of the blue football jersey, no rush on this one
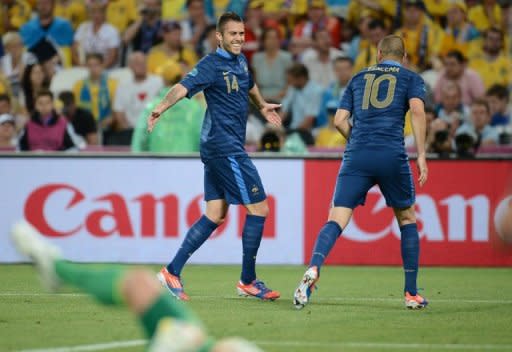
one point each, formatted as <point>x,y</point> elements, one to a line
<point>226,81</point>
<point>378,98</point>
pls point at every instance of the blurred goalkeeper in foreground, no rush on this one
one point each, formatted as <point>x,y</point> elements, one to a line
<point>169,324</point>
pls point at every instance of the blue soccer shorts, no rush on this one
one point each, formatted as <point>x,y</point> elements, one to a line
<point>234,179</point>
<point>361,170</point>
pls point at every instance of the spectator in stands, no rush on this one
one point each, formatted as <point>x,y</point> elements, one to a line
<point>32,82</point>
<point>82,120</point>
<point>455,70</point>
<point>452,109</point>
<point>97,36</point>
<point>491,61</point>
<point>6,108</point>
<point>459,34</point>
<point>319,59</point>
<point>131,100</point>
<point>498,98</point>
<point>46,130</point>
<point>479,129</point>
<point>485,15</point>
<point>368,56</point>
<point>329,136</point>
<point>7,132</point>
<point>195,25</point>
<point>343,71</point>
<point>171,49</point>
<point>96,92</point>
<point>440,138</point>
<point>121,13</point>
<point>46,29</point>
<point>270,65</point>
<point>372,9</point>
<point>302,102</point>
<point>13,63</point>
<point>215,8</point>
<point>179,128</point>
<point>422,36</point>
<point>254,26</point>
<point>146,32</point>
<point>209,43</point>
<point>72,10</point>
<point>317,19</point>
<point>14,15</point>
<point>361,40</point>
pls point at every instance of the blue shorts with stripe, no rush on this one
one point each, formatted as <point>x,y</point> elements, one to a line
<point>234,179</point>
<point>361,170</point>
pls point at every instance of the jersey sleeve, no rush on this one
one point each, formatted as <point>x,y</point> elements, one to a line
<point>201,76</point>
<point>347,100</point>
<point>416,87</point>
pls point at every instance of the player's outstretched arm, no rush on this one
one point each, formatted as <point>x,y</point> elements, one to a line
<point>341,122</point>
<point>267,110</point>
<point>419,127</point>
<point>175,94</point>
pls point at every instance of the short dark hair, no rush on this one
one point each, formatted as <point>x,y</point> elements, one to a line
<point>187,4</point>
<point>376,23</point>
<point>225,18</point>
<point>343,59</point>
<point>457,55</point>
<point>482,102</point>
<point>96,56</point>
<point>67,97</point>
<point>298,70</point>
<point>5,97</point>
<point>499,91</point>
<point>44,93</point>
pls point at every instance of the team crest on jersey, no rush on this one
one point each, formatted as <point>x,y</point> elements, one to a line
<point>255,189</point>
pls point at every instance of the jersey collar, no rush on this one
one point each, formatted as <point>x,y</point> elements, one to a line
<point>225,54</point>
<point>391,62</point>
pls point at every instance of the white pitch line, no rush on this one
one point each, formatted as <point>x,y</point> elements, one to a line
<point>94,347</point>
<point>308,344</point>
<point>316,299</point>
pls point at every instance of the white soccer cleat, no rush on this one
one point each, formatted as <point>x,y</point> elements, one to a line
<point>30,243</point>
<point>306,286</point>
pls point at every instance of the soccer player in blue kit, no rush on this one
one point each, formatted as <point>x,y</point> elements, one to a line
<point>229,175</point>
<point>377,98</point>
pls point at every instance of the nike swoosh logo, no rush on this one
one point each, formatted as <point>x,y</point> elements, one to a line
<point>225,73</point>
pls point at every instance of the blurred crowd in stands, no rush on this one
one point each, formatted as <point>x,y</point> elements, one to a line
<point>84,74</point>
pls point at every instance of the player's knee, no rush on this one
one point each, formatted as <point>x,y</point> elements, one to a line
<point>405,216</point>
<point>216,218</point>
<point>260,209</point>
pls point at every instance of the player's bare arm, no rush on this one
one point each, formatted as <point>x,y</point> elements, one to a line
<point>174,95</point>
<point>341,122</point>
<point>267,110</point>
<point>419,127</point>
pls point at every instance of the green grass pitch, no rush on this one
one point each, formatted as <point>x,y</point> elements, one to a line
<point>354,309</point>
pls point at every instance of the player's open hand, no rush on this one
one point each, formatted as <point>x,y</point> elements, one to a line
<point>422,169</point>
<point>153,119</point>
<point>269,112</point>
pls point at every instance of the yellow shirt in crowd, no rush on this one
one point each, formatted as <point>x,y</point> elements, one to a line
<point>366,57</point>
<point>498,71</point>
<point>74,11</point>
<point>479,18</point>
<point>18,13</point>
<point>157,57</point>
<point>121,13</point>
<point>412,38</point>
<point>95,88</point>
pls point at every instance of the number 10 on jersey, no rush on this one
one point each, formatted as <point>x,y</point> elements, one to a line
<point>371,91</point>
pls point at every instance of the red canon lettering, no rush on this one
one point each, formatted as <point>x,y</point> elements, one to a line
<point>148,204</point>
<point>34,208</point>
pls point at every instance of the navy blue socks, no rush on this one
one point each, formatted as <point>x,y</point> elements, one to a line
<point>324,243</point>
<point>251,239</point>
<point>410,246</point>
<point>196,235</point>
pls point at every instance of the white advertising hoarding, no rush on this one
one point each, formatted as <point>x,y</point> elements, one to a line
<point>138,210</point>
